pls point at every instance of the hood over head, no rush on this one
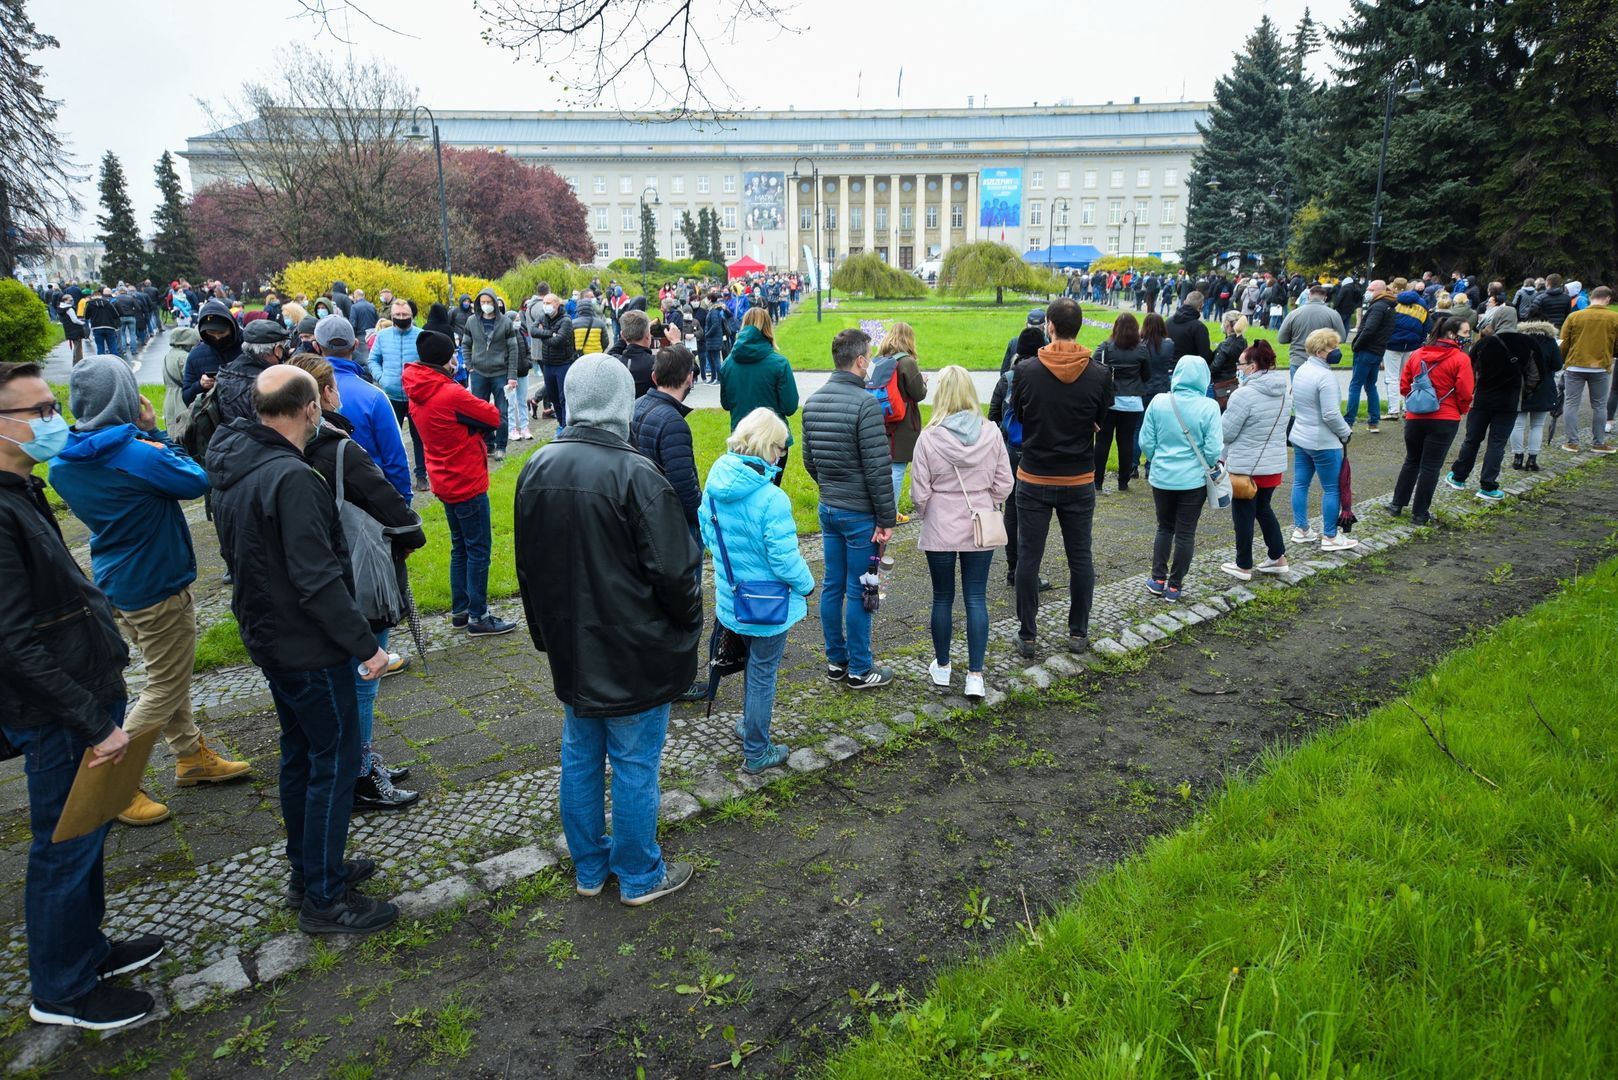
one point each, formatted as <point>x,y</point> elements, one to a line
<point>734,476</point>
<point>215,315</point>
<point>1539,328</point>
<point>600,394</point>
<point>1185,313</point>
<point>1190,376</point>
<point>184,337</point>
<point>493,299</point>
<point>1031,340</point>
<point>1499,319</point>
<point>102,393</point>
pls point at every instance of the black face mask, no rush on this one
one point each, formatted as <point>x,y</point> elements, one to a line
<point>403,322</point>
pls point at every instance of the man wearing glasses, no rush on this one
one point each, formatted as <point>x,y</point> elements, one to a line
<point>61,693</point>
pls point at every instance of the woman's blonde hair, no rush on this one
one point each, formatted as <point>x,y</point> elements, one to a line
<point>1235,323</point>
<point>761,434</point>
<point>318,366</point>
<point>760,318</point>
<point>1444,300</point>
<point>901,338</point>
<point>1322,341</point>
<point>955,393</point>
<point>293,312</point>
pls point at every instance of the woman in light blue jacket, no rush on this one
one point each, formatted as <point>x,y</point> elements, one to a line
<point>1179,482</point>
<point>747,525</point>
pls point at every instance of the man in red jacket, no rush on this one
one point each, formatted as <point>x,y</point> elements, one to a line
<point>452,424</point>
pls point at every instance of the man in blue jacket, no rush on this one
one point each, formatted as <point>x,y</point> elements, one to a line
<point>362,315</point>
<point>364,406</point>
<point>125,480</point>
<point>393,349</point>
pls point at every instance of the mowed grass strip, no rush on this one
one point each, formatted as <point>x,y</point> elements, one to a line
<point>1362,907</point>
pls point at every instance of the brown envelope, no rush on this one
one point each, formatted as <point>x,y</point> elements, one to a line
<point>102,793</point>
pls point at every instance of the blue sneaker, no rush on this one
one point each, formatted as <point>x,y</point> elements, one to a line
<point>774,756</point>
<point>1157,587</point>
<point>1491,495</point>
<point>1171,594</point>
<point>1449,478</point>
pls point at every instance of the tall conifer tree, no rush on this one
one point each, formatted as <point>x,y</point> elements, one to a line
<point>174,252</point>
<point>125,258</point>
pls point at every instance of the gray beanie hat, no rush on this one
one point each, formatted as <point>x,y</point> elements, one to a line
<point>102,393</point>
<point>1499,320</point>
<point>600,394</point>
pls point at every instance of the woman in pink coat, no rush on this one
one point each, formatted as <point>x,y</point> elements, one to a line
<point>960,465</point>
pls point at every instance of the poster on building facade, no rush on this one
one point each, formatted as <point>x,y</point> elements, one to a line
<point>764,200</point>
<point>1000,197</point>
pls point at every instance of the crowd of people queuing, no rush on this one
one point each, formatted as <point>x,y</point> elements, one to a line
<point>291,422</point>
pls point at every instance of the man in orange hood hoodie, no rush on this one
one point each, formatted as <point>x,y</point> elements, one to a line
<point>1059,396</point>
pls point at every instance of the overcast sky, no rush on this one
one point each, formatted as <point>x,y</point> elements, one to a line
<point>129,75</point>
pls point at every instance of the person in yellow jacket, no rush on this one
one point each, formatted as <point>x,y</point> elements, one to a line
<point>1589,340</point>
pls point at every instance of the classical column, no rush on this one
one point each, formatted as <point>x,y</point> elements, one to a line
<point>943,215</point>
<point>921,218</point>
<point>870,213</point>
<point>971,207</point>
<point>792,222</point>
<point>893,218</point>
<point>842,216</point>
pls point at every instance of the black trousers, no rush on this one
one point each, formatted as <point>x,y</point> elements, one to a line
<point>1075,509</point>
<point>401,413</point>
<point>1245,513</point>
<point>1177,514</point>
<point>1492,427</point>
<point>1426,444</point>
<point>1125,425</point>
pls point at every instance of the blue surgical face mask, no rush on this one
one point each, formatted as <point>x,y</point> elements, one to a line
<point>50,438</point>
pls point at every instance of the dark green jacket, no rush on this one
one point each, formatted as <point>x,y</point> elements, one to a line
<point>756,376</point>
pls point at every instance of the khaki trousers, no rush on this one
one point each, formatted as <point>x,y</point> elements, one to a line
<point>166,635</point>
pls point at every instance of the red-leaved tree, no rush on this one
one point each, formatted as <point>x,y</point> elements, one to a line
<point>513,211</point>
<point>236,238</point>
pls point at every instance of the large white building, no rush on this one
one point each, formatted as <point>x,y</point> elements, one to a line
<point>908,183</point>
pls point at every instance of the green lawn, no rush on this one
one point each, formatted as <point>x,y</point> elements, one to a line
<point>1363,907</point>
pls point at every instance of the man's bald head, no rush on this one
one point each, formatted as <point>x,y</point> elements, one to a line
<point>283,393</point>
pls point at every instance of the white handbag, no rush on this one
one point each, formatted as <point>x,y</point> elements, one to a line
<point>988,526</point>
<point>1218,477</point>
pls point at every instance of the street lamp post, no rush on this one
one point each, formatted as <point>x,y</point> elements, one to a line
<point>1401,68</point>
<point>443,202</point>
<point>1050,228</point>
<point>645,256</point>
<point>814,175</point>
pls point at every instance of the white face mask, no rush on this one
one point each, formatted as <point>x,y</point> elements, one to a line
<point>488,309</point>
<point>549,309</point>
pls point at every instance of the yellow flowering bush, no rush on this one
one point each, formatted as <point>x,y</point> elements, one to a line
<point>313,277</point>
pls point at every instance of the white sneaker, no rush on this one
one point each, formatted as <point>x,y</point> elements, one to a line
<point>1340,542</point>
<point>1304,536</point>
<point>1273,566</point>
<point>1236,572</point>
<point>974,687</point>
<point>940,675</point>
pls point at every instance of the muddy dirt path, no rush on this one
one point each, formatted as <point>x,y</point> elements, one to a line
<point>811,894</point>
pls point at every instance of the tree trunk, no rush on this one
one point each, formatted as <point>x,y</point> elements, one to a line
<point>999,294</point>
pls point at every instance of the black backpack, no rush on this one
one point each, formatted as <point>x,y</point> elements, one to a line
<point>195,429</point>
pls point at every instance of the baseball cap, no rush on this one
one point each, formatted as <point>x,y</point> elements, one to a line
<point>334,330</point>
<point>264,332</point>
<point>1036,317</point>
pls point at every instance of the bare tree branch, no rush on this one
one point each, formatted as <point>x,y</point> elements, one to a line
<point>323,12</point>
<point>36,174</point>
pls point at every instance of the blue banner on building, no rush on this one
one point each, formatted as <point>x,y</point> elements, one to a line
<point>1000,198</point>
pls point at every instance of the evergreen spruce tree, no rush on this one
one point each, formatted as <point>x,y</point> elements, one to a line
<point>716,242</point>
<point>648,236</point>
<point>174,253</point>
<point>125,258</point>
<point>1552,198</point>
<point>36,173</point>
<point>1238,176</point>
<point>701,251</point>
<point>693,238</point>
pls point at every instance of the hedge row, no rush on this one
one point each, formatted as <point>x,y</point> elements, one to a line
<point>314,278</point>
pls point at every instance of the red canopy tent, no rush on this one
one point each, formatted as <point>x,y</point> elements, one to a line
<point>745,265</point>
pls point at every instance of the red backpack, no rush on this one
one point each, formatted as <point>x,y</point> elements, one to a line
<point>882,382</point>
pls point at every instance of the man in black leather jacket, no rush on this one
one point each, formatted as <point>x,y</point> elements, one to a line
<point>607,568</point>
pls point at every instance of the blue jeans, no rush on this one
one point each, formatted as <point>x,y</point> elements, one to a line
<point>1306,465</point>
<point>1275,321</point>
<point>129,330</point>
<point>492,388</point>
<point>846,539</point>
<point>899,468</point>
<point>556,392</point>
<point>974,589</point>
<point>107,340</point>
<point>1367,374</point>
<point>763,661</point>
<point>517,416</point>
<point>713,356</point>
<point>63,899</point>
<point>634,745</point>
<point>365,703</point>
<point>320,753</point>
<point>469,556</point>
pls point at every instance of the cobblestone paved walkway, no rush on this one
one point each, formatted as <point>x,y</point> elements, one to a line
<point>480,728</point>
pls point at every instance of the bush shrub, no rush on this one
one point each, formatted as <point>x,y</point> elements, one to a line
<point>25,325</point>
<point>870,275</point>
<point>313,277</point>
<point>666,270</point>
<point>521,282</point>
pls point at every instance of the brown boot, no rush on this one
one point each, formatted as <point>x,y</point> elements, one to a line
<point>203,766</point>
<point>143,810</point>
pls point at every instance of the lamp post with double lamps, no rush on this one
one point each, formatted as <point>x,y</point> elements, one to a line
<point>416,133</point>
<point>814,175</point>
<point>1050,227</point>
<point>1404,69</point>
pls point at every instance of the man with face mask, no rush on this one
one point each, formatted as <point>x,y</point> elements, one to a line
<point>491,357</point>
<point>264,343</point>
<point>61,693</point>
<point>221,343</point>
<point>294,601</point>
<point>551,338</point>
<point>394,347</point>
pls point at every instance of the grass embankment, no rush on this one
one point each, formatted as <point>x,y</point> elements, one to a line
<point>1363,906</point>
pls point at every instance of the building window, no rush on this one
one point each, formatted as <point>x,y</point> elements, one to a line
<point>677,185</point>
<point>729,217</point>
<point>806,217</point>
<point>679,248</point>
<point>573,184</point>
<point>730,249</point>
<point>1036,180</point>
<point>1064,179</point>
<point>881,219</point>
<point>624,183</point>
<point>831,218</point>
<point>957,217</point>
<point>1112,245</point>
<point>1115,212</point>
<point>932,217</point>
<point>603,249</point>
<point>906,216</point>
<point>856,218</point>
<point>1036,213</point>
<point>730,184</point>
<point>1062,211</point>
<point>601,219</point>
<point>907,258</point>
<point>1171,177</point>
<point>1087,212</point>
<point>1089,178</point>
<point>631,218</point>
<point>601,185</point>
<point>881,146</point>
<point>1169,206</point>
<point>935,146</point>
<point>630,247</point>
<point>1143,178</point>
<point>702,185</point>
<point>1117,178</point>
<point>1033,243</point>
<point>1143,209</point>
<point>907,146</point>
<point>651,182</point>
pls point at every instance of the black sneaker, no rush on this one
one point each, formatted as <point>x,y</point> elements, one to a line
<point>489,626</point>
<point>458,621</point>
<point>1025,648</point>
<point>422,483</point>
<point>675,877</point>
<point>836,672</point>
<point>104,1008</point>
<point>354,872</point>
<point>874,679</point>
<point>374,791</point>
<point>395,775</point>
<point>1078,642</point>
<point>131,955</point>
<point>355,913</point>
<point>697,691</point>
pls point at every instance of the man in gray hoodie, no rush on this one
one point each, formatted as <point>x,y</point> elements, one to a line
<point>1310,315</point>
<point>491,357</point>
